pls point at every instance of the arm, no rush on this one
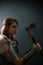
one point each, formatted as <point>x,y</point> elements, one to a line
<point>5,49</point>
<point>15,60</point>
<point>29,54</point>
<point>11,55</point>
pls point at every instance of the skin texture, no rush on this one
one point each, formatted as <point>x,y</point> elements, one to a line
<point>13,28</point>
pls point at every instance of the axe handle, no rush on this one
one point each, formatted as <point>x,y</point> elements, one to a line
<point>41,52</point>
<point>31,35</point>
<point>34,41</point>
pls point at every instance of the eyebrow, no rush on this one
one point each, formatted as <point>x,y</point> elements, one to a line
<point>14,26</point>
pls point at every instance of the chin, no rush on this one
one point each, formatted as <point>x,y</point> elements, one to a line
<point>14,33</point>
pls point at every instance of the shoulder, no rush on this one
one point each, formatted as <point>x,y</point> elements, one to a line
<point>3,44</point>
<point>2,38</point>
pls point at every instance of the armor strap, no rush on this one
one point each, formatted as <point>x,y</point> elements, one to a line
<point>29,54</point>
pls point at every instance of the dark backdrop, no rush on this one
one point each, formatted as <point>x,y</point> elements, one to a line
<point>25,12</point>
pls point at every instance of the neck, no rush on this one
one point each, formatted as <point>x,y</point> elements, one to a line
<point>10,36</point>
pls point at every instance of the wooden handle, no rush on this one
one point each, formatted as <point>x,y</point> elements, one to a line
<point>34,40</point>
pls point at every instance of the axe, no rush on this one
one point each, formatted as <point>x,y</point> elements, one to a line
<point>33,26</point>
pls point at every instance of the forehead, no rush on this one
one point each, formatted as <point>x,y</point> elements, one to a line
<point>14,24</point>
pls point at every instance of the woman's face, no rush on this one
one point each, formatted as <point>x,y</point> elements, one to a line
<point>12,28</point>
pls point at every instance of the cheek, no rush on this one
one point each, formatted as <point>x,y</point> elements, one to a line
<point>12,31</point>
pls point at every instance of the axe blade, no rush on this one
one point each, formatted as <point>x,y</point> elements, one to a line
<point>31,26</point>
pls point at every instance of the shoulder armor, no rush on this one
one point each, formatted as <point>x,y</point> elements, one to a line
<point>3,44</point>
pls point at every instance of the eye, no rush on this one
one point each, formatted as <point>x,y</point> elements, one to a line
<point>14,26</point>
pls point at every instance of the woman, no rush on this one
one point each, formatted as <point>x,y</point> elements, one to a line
<point>9,46</point>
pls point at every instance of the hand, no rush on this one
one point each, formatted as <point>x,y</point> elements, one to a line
<point>37,47</point>
<point>18,61</point>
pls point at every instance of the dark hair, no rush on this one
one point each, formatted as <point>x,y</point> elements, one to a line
<point>6,23</point>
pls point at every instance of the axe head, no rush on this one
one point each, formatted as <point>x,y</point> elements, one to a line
<point>31,26</point>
